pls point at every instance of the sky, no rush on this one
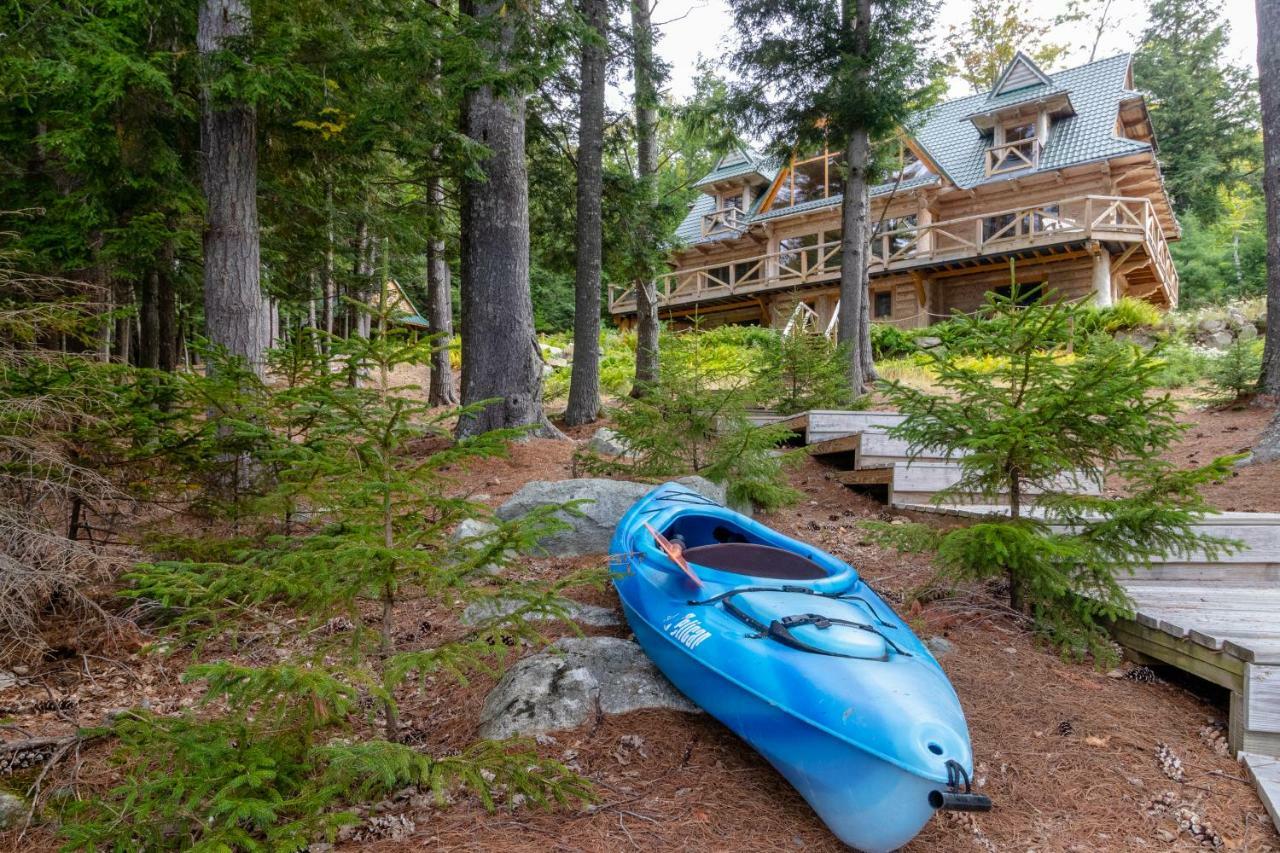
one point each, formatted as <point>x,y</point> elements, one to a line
<point>694,27</point>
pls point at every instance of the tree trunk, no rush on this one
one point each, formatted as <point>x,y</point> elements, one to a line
<point>124,334</point>
<point>584,385</point>
<point>1269,92</point>
<point>330,289</point>
<point>167,309</point>
<point>500,356</point>
<point>853,326</point>
<point>234,307</point>
<point>852,323</point>
<point>149,321</point>
<point>1268,447</point>
<point>439,305</point>
<point>646,106</point>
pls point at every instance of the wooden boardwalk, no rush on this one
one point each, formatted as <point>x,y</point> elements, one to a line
<point>1217,618</point>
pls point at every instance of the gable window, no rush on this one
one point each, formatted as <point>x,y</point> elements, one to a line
<point>883,304</point>
<point>731,202</point>
<point>808,179</point>
<point>902,163</point>
<point>1019,132</point>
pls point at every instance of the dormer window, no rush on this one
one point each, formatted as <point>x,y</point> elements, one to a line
<point>731,202</point>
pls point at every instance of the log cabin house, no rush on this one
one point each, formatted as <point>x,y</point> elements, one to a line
<point>1058,172</point>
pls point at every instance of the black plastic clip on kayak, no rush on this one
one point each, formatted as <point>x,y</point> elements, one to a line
<point>953,799</point>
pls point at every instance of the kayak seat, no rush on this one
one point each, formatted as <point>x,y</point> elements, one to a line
<point>759,561</point>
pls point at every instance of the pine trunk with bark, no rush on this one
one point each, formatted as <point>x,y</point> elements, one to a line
<point>501,360</point>
<point>439,307</point>
<point>149,321</point>
<point>1269,94</point>
<point>646,106</point>
<point>853,326</point>
<point>1268,447</point>
<point>167,308</point>
<point>584,384</point>
<point>234,306</point>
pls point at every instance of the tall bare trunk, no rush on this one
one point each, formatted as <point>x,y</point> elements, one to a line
<point>1269,91</point>
<point>500,356</point>
<point>329,285</point>
<point>124,333</point>
<point>439,304</point>
<point>234,306</point>
<point>854,324</point>
<point>167,308</point>
<point>584,385</point>
<point>149,320</point>
<point>646,106</point>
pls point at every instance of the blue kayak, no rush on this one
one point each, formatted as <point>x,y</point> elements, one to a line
<point>786,646</point>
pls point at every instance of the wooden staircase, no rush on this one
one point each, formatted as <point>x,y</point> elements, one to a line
<point>867,459</point>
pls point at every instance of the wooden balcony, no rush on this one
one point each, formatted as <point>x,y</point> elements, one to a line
<point>1013,156</point>
<point>724,219</point>
<point>1129,225</point>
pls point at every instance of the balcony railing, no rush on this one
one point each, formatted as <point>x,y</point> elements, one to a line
<point>1012,156</point>
<point>724,219</point>
<point>1110,218</point>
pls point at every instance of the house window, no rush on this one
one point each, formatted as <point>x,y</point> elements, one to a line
<point>883,304</point>
<point>748,272</point>
<point>807,180</point>
<point>717,277</point>
<point>903,164</point>
<point>1019,132</point>
<point>731,202</point>
<point>1002,227</point>
<point>799,254</point>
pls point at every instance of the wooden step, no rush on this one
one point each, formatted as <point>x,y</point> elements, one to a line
<point>841,452</point>
<point>825,424</point>
<point>1265,771</point>
<point>916,482</point>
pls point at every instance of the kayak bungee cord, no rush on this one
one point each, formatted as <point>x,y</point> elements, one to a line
<point>834,596</point>
<point>780,630</point>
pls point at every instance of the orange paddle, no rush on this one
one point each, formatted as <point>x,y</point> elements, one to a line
<point>673,551</point>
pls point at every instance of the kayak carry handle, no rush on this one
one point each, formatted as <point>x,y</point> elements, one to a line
<point>957,801</point>
<point>953,799</point>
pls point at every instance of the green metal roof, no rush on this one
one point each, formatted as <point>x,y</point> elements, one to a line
<point>737,163</point>
<point>948,136</point>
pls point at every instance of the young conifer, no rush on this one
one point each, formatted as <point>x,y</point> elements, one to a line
<point>1033,435</point>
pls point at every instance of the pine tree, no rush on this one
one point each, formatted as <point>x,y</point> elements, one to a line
<point>1269,88</point>
<point>1031,434</point>
<point>851,73</point>
<point>1203,108</point>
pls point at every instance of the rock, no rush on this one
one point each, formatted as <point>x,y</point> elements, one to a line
<point>1136,337</point>
<point>939,646</point>
<point>583,614</point>
<point>1220,340</point>
<point>7,679</point>
<point>1209,325</point>
<point>606,442</point>
<point>1236,319</point>
<point>13,810</point>
<point>604,502</point>
<point>468,534</point>
<point>1247,332</point>
<point>565,686</point>
<point>928,342</point>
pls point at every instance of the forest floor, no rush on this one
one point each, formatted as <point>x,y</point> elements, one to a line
<point>1067,753</point>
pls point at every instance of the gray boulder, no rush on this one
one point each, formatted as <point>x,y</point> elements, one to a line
<point>584,614</point>
<point>927,342</point>
<point>1247,332</point>
<point>1209,325</point>
<point>1220,340</point>
<point>468,534</point>
<point>13,810</point>
<point>604,502</point>
<point>939,646</point>
<point>606,442</point>
<point>564,687</point>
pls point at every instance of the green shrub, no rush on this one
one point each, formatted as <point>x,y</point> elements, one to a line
<point>694,422</point>
<point>1179,365</point>
<point>1234,374</point>
<point>802,371</point>
<point>889,342</point>
<point>1127,314</point>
